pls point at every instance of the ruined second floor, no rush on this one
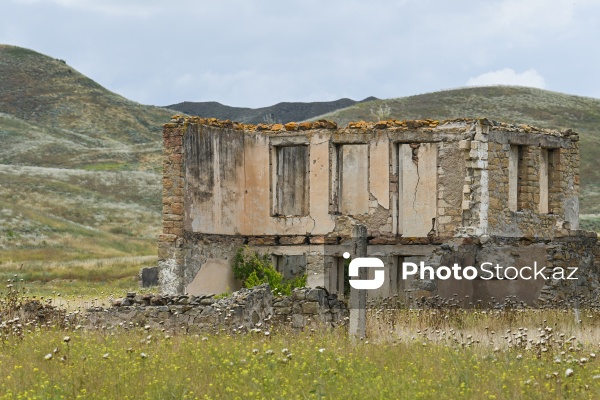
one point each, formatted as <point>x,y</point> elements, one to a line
<point>409,179</point>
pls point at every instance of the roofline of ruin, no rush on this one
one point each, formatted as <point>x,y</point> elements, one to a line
<point>368,126</point>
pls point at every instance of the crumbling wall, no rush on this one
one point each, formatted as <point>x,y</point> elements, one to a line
<point>452,172</point>
<point>243,311</point>
<point>575,249</point>
<point>510,205</point>
<point>170,242</point>
<point>214,180</point>
<point>418,187</point>
<point>568,263</point>
<point>234,179</point>
<point>216,253</point>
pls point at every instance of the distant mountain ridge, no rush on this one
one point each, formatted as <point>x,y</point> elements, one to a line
<point>280,112</point>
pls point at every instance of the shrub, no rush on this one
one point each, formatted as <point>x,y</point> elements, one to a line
<point>253,270</point>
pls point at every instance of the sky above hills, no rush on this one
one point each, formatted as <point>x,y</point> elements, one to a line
<point>257,53</point>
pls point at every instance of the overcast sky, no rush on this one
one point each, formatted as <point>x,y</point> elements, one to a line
<point>257,53</point>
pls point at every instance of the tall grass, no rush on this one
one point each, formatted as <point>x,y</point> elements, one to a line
<point>140,363</point>
<point>444,353</point>
<point>79,281</point>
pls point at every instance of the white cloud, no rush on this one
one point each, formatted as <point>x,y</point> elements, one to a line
<point>509,76</point>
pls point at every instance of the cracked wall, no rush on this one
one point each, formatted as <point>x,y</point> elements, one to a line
<point>296,192</point>
<point>417,183</point>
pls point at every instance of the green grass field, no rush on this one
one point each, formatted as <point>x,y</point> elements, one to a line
<point>554,357</point>
<point>410,354</point>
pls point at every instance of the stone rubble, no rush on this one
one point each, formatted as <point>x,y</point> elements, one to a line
<point>244,310</point>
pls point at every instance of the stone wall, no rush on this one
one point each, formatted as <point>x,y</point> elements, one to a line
<point>558,258</point>
<point>425,190</point>
<point>170,242</point>
<point>577,249</point>
<point>244,310</point>
<point>489,204</point>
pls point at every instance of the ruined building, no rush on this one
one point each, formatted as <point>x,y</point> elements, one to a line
<point>466,191</point>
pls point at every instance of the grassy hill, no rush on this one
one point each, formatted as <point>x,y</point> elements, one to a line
<point>79,165</point>
<point>536,107</point>
<point>47,91</point>
<point>280,112</point>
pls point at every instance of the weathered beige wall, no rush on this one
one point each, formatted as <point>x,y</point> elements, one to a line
<point>232,184</point>
<point>236,197</point>
<point>418,188</point>
<point>214,180</point>
<point>354,179</point>
<point>215,277</point>
<point>257,180</point>
<point>291,180</point>
<point>322,221</point>
<point>379,169</point>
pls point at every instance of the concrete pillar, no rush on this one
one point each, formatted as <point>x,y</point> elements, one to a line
<point>358,298</point>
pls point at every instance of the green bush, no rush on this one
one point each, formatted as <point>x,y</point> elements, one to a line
<point>253,270</point>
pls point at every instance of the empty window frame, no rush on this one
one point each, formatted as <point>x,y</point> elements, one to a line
<point>350,179</point>
<point>549,181</point>
<point>338,276</point>
<point>520,185</point>
<point>543,205</point>
<point>416,167</point>
<point>291,197</point>
<point>290,266</point>
<point>554,181</point>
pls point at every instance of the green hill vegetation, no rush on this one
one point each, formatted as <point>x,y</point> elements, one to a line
<point>79,165</point>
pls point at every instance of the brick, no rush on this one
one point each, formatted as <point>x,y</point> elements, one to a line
<point>166,237</point>
<point>172,217</point>
<point>317,240</point>
<point>177,231</point>
<point>177,208</point>
<point>287,240</point>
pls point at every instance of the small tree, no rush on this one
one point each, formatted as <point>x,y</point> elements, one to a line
<point>253,270</point>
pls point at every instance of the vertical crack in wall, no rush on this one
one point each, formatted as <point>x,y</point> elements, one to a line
<point>415,159</point>
<point>314,224</point>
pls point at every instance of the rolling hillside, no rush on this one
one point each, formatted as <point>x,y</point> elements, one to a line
<point>79,165</point>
